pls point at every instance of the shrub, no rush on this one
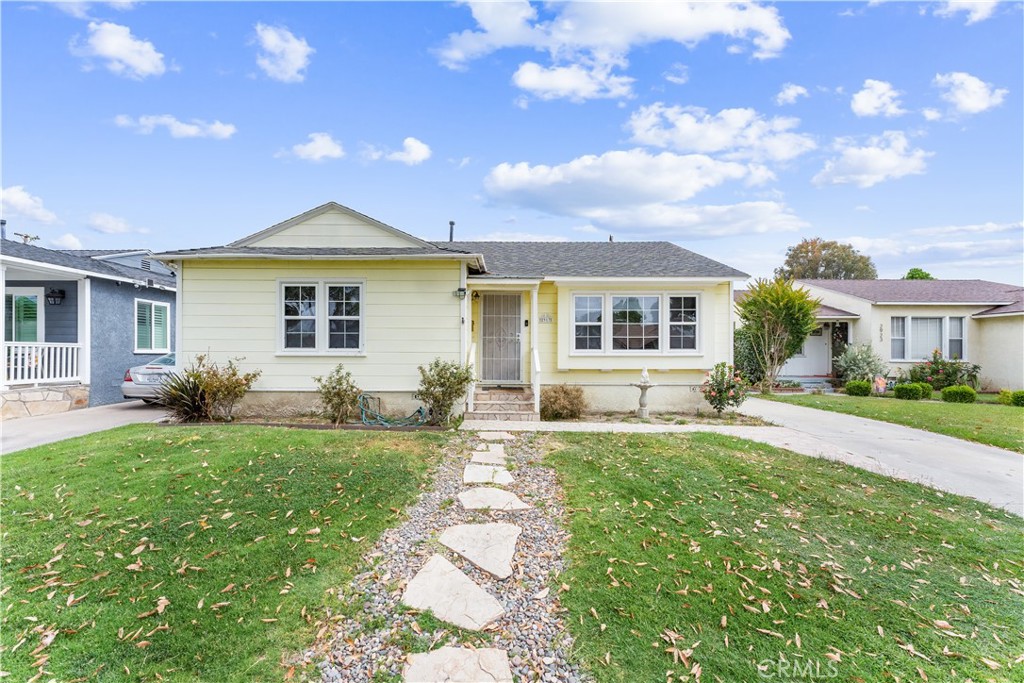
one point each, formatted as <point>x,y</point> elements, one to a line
<point>778,316</point>
<point>859,362</point>
<point>908,392</point>
<point>926,389</point>
<point>724,387</point>
<point>940,372</point>
<point>441,384</point>
<point>205,391</point>
<point>746,357</point>
<point>1005,397</point>
<point>562,402</point>
<point>1018,398</point>
<point>959,393</point>
<point>858,387</point>
<point>339,395</point>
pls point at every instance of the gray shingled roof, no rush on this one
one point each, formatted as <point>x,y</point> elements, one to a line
<point>1015,307</point>
<point>822,312</point>
<point>102,252</point>
<point>925,291</point>
<point>592,259</point>
<point>270,252</point>
<point>67,259</point>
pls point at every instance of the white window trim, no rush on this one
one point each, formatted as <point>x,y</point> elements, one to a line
<point>322,335</point>
<point>39,292</point>
<point>135,323</point>
<point>606,324</point>
<point>908,333</point>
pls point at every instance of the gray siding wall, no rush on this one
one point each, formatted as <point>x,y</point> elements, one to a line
<point>113,336</point>
<point>61,321</point>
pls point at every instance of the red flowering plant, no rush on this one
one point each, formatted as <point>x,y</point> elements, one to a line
<point>724,387</point>
<point>944,372</point>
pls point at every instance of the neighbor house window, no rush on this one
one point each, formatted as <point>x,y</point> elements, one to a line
<point>587,326</point>
<point>956,338</point>
<point>915,338</point>
<point>898,343</point>
<point>321,317</point>
<point>634,323</point>
<point>152,326</point>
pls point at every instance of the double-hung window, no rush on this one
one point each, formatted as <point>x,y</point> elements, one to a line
<point>321,317</point>
<point>651,323</point>
<point>915,338</point>
<point>152,326</point>
<point>956,338</point>
<point>898,338</point>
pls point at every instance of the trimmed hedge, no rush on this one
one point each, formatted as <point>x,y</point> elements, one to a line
<point>908,392</point>
<point>1018,398</point>
<point>926,389</point>
<point>959,393</point>
<point>858,387</point>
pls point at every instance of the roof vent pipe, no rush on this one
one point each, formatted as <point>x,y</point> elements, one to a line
<point>451,231</point>
<point>3,228</point>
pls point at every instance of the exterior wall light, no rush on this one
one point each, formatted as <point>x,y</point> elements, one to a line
<point>55,297</point>
<point>460,293</point>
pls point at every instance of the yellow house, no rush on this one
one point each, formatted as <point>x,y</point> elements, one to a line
<point>335,286</point>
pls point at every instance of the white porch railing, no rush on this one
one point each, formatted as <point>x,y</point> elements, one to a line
<point>535,376</point>
<point>471,364</point>
<point>36,363</point>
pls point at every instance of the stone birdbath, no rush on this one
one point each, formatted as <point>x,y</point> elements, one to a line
<point>643,385</point>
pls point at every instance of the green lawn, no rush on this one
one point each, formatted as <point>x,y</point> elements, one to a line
<point>189,554</point>
<point>708,551</point>
<point>988,423</point>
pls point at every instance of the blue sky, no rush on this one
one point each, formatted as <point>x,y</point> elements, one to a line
<point>733,130</point>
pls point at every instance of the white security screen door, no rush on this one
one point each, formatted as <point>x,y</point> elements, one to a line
<point>501,334</point>
<point>23,314</point>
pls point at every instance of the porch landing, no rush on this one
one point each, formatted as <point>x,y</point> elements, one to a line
<point>503,404</point>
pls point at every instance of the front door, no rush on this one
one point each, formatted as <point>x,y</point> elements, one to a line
<point>813,359</point>
<point>501,338</point>
<point>23,314</point>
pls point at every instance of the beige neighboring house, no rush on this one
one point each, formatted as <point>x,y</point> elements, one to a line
<point>335,286</point>
<point>905,320</point>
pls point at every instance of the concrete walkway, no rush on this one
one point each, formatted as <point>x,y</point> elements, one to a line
<point>27,432</point>
<point>989,474</point>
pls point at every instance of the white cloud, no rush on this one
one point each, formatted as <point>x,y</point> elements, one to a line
<point>738,133</point>
<point>282,56</point>
<point>877,98</point>
<point>520,237</point>
<point>976,10</point>
<point>112,225</point>
<point>888,248</point>
<point>320,146</point>
<point>678,74</point>
<point>195,128</point>
<point>968,94</point>
<point>970,229</point>
<point>637,192</point>
<point>66,241</point>
<point>885,157</point>
<point>576,82</point>
<point>17,201</point>
<point>125,54</point>
<point>930,114</point>
<point>80,10</point>
<point>790,93</point>
<point>588,229</point>
<point>413,152</point>
<point>588,41</point>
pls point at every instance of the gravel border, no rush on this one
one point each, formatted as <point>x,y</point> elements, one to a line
<point>372,641</point>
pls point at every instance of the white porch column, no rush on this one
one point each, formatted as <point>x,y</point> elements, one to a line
<point>3,327</point>
<point>534,353</point>
<point>85,330</point>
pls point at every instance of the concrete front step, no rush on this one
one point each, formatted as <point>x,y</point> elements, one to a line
<point>504,406</point>
<point>501,417</point>
<point>503,394</point>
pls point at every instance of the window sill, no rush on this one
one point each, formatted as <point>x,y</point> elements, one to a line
<point>320,354</point>
<point>150,352</point>
<point>634,354</point>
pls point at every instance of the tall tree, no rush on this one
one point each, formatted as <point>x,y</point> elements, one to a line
<point>918,274</point>
<point>777,318</point>
<point>818,259</point>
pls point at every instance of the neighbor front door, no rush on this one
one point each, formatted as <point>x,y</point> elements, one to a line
<point>501,338</point>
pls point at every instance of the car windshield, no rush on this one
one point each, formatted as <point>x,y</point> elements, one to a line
<point>163,360</point>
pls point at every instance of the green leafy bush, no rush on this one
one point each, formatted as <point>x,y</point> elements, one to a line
<point>746,357</point>
<point>942,372</point>
<point>858,387</point>
<point>908,392</point>
<point>926,389</point>
<point>441,384</point>
<point>339,395</point>
<point>1005,397</point>
<point>205,390</point>
<point>724,387</point>
<point>1018,398</point>
<point>859,362</point>
<point>959,393</point>
<point>562,402</point>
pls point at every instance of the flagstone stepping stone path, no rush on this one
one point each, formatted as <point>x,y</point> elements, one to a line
<point>495,584</point>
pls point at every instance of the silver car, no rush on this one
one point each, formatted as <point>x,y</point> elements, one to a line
<point>143,381</point>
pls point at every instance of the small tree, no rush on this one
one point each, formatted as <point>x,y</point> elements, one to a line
<point>818,259</point>
<point>339,395</point>
<point>778,317</point>
<point>441,384</point>
<point>918,274</point>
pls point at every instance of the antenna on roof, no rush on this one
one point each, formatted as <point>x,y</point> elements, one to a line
<point>610,238</point>
<point>26,238</point>
<point>451,231</point>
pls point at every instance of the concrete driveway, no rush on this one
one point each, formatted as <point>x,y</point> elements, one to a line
<point>36,431</point>
<point>986,473</point>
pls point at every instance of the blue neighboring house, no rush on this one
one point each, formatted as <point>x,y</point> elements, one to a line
<point>75,320</point>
